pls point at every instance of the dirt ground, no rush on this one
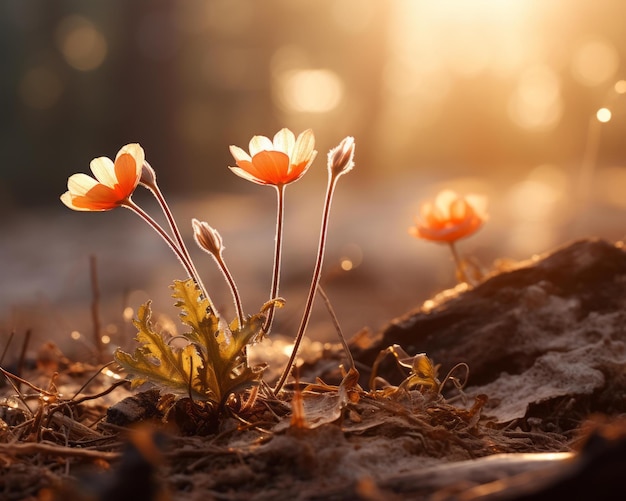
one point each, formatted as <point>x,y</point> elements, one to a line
<point>540,415</point>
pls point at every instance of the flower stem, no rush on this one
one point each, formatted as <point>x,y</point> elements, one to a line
<point>233,288</point>
<point>333,316</point>
<point>460,271</point>
<point>332,182</point>
<point>180,253</point>
<point>280,216</point>
<point>154,189</point>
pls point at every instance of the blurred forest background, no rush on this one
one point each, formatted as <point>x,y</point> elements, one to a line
<point>523,101</point>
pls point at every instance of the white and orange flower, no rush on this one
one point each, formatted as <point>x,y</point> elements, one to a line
<point>113,182</point>
<point>450,217</point>
<point>278,162</point>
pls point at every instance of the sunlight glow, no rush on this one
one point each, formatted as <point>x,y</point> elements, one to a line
<point>461,33</point>
<point>536,205</point>
<point>603,115</point>
<point>595,62</point>
<point>308,90</point>
<point>83,46</point>
<point>536,103</point>
<point>351,256</point>
<point>532,200</point>
<point>609,186</point>
<point>108,372</point>
<point>128,314</point>
<point>620,86</point>
<point>352,16</point>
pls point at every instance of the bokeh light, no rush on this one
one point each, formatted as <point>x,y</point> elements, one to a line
<point>620,86</point>
<point>520,100</point>
<point>536,103</point>
<point>595,62</point>
<point>309,90</point>
<point>603,115</point>
<point>83,46</point>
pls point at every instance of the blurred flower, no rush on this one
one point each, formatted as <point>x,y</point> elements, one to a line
<point>278,162</point>
<point>341,158</point>
<point>113,185</point>
<point>450,217</point>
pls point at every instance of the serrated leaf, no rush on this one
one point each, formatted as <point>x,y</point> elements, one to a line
<point>212,366</point>
<point>156,361</point>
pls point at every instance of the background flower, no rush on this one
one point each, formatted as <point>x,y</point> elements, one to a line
<point>450,217</point>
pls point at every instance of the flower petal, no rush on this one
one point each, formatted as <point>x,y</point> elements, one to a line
<point>448,219</point>
<point>260,143</point>
<point>272,167</point>
<point>239,154</point>
<point>80,184</point>
<point>126,174</point>
<point>460,210</point>
<point>297,171</point>
<point>68,199</point>
<point>136,151</point>
<point>98,198</point>
<point>246,175</point>
<point>284,140</point>
<point>303,150</point>
<point>443,201</point>
<point>104,170</point>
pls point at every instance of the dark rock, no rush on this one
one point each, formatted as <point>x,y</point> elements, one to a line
<point>552,327</point>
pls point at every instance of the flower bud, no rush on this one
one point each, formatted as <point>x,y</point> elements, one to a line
<point>148,176</point>
<point>341,158</point>
<point>207,238</point>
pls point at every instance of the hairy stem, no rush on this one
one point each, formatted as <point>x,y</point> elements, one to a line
<point>180,254</point>
<point>155,190</point>
<point>280,216</point>
<point>233,288</point>
<point>333,316</point>
<point>332,182</point>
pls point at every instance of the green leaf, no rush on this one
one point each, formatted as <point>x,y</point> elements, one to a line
<point>212,366</point>
<point>157,362</point>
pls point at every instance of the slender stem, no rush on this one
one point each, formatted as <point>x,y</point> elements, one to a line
<point>189,268</point>
<point>459,264</point>
<point>333,316</point>
<point>233,288</point>
<point>154,189</point>
<point>95,308</point>
<point>280,216</point>
<point>332,182</point>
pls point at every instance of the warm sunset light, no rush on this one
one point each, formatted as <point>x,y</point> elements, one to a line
<point>312,91</point>
<point>603,115</point>
<point>326,249</point>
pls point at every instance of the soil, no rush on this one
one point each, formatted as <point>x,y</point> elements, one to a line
<point>539,415</point>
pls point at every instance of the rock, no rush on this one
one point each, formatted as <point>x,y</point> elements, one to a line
<point>550,331</point>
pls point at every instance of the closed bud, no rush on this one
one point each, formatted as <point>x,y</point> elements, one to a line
<point>341,158</point>
<point>148,176</point>
<point>207,238</point>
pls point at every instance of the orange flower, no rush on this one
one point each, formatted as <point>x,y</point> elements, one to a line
<point>113,185</point>
<point>278,162</point>
<point>449,218</point>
